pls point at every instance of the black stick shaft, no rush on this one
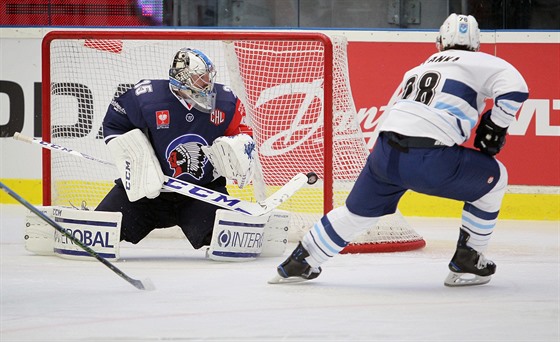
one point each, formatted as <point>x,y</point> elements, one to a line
<point>136,283</point>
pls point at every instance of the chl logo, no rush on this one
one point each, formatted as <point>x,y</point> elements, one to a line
<point>217,117</point>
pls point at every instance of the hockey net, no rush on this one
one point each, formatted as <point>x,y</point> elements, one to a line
<point>295,90</point>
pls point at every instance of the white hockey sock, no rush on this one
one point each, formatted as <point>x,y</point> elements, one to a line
<point>479,217</point>
<point>332,233</point>
<point>480,225</point>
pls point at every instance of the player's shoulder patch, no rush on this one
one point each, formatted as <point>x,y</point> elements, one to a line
<point>117,107</point>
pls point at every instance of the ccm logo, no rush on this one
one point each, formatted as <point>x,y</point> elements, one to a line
<point>127,175</point>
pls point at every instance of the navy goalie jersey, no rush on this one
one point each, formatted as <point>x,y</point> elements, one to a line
<point>175,128</point>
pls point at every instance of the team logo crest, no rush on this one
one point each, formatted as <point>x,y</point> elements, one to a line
<point>217,117</point>
<point>185,156</point>
<point>162,119</point>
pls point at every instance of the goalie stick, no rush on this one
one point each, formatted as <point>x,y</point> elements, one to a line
<point>199,192</point>
<point>145,284</point>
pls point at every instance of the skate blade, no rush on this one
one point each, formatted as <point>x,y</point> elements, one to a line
<point>277,279</point>
<point>465,279</point>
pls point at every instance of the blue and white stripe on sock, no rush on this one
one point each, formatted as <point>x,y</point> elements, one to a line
<point>322,242</point>
<point>479,224</point>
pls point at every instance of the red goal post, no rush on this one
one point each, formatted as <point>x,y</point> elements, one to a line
<point>294,87</point>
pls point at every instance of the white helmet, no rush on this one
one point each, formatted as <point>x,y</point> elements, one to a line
<point>459,32</point>
<point>191,76</point>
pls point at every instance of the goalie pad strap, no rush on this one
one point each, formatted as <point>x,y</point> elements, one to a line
<point>137,165</point>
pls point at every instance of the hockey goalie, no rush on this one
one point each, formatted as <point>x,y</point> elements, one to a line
<point>190,128</point>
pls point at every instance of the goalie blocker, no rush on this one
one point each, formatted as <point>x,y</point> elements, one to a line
<point>137,165</point>
<point>96,229</point>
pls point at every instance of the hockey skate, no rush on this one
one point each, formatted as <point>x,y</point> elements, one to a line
<point>468,267</point>
<point>295,269</point>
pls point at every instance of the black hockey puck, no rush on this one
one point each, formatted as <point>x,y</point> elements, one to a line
<point>312,178</point>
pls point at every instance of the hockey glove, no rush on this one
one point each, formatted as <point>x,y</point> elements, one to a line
<point>490,138</point>
<point>233,157</point>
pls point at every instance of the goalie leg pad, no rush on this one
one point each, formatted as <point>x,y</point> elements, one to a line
<point>276,234</point>
<point>39,235</point>
<point>236,237</point>
<point>99,230</point>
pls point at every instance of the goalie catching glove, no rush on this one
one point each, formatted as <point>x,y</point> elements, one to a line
<point>137,164</point>
<point>490,138</point>
<point>233,157</point>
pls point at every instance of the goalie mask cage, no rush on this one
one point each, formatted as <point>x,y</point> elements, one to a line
<point>294,87</point>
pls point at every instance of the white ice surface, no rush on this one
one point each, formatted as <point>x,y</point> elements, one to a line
<point>369,297</point>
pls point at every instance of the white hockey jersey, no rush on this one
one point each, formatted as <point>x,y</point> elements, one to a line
<point>443,97</point>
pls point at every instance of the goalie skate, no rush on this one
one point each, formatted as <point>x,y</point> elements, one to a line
<point>468,267</point>
<point>295,269</point>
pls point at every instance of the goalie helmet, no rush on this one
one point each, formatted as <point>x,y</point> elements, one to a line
<point>191,76</point>
<point>459,32</point>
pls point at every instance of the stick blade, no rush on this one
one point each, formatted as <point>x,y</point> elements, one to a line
<point>284,193</point>
<point>144,284</point>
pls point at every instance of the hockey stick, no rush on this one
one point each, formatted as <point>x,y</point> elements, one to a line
<point>145,284</point>
<point>199,192</point>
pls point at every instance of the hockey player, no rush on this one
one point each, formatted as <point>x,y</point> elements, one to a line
<point>161,127</point>
<point>419,148</point>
